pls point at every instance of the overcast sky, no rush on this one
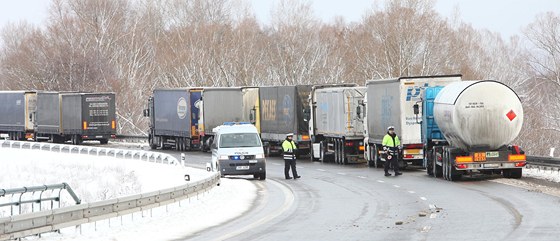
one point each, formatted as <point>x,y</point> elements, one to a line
<point>504,16</point>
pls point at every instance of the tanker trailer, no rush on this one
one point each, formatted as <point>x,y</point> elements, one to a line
<point>468,127</point>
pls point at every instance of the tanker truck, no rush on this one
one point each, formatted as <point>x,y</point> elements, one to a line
<point>468,127</point>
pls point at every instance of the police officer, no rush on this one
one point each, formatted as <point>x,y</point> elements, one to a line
<point>289,148</point>
<point>392,143</point>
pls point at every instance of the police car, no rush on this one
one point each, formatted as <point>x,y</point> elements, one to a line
<point>237,150</point>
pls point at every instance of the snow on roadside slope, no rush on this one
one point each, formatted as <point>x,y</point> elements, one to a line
<point>225,202</point>
<point>549,175</point>
<point>26,167</point>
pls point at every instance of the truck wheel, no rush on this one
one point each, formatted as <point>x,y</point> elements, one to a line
<point>512,173</point>
<point>153,145</point>
<point>262,176</point>
<point>429,162</point>
<point>104,141</point>
<point>437,170</point>
<point>343,153</point>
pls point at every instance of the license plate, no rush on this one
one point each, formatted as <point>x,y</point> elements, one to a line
<point>491,165</point>
<point>242,167</point>
<point>492,154</point>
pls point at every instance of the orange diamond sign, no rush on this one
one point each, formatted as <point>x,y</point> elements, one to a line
<point>511,115</point>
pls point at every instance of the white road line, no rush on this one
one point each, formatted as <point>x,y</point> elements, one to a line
<point>423,198</point>
<point>362,177</point>
<point>380,181</point>
<point>341,173</point>
<point>289,199</point>
<point>433,215</point>
<point>321,170</point>
<point>411,192</point>
<point>397,186</point>
<point>426,229</point>
<point>432,206</point>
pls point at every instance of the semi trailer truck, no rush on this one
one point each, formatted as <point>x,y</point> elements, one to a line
<point>218,105</point>
<point>387,104</point>
<point>174,116</point>
<point>468,127</point>
<point>19,118</point>
<point>336,123</point>
<point>283,110</point>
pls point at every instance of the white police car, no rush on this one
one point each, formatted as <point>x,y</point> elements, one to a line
<point>237,150</point>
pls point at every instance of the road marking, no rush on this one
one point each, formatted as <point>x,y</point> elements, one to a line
<point>432,206</point>
<point>380,181</point>
<point>289,199</point>
<point>426,229</point>
<point>276,164</point>
<point>423,198</point>
<point>412,192</point>
<point>397,186</point>
<point>362,177</point>
<point>321,170</point>
<point>341,173</point>
<point>433,215</point>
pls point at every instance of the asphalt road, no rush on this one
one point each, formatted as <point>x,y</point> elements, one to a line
<point>332,202</point>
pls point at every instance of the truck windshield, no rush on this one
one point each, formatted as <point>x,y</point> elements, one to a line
<point>239,140</point>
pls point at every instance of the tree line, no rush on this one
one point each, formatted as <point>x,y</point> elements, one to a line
<point>131,47</point>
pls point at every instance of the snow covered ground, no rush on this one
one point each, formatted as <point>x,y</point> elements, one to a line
<point>549,175</point>
<point>96,178</point>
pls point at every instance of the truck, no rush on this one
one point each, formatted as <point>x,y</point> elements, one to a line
<point>83,116</point>
<point>218,105</point>
<point>251,106</point>
<point>283,110</point>
<point>174,116</point>
<point>336,123</point>
<point>468,128</point>
<point>18,118</point>
<point>387,104</point>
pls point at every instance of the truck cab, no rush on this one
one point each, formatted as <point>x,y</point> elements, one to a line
<point>237,149</point>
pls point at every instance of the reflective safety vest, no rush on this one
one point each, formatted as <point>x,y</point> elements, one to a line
<point>389,141</point>
<point>289,148</point>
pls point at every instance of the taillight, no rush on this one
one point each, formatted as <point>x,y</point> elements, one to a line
<point>461,166</point>
<point>520,164</point>
<point>349,143</point>
<point>464,159</point>
<point>408,156</point>
<point>517,157</point>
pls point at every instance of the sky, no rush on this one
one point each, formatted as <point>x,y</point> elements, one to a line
<point>507,17</point>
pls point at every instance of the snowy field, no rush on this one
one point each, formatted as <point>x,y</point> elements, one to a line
<point>99,178</point>
<point>549,175</point>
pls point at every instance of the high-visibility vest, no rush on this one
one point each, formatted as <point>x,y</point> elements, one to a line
<point>289,148</point>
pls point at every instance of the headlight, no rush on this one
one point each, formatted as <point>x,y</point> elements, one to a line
<point>259,156</point>
<point>224,157</point>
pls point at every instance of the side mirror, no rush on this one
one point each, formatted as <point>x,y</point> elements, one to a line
<point>306,115</point>
<point>253,116</point>
<point>146,113</point>
<point>416,109</point>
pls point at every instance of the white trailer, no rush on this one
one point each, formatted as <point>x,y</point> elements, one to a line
<point>388,103</point>
<point>336,123</point>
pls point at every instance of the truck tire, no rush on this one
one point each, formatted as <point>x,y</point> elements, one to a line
<point>429,162</point>
<point>104,141</point>
<point>343,152</point>
<point>437,170</point>
<point>262,176</point>
<point>512,173</point>
<point>153,145</point>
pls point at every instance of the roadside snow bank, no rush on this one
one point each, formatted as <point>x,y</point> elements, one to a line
<point>93,178</point>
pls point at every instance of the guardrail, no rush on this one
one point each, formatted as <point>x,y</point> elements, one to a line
<point>91,150</point>
<point>544,162</point>
<point>41,189</point>
<point>19,226</point>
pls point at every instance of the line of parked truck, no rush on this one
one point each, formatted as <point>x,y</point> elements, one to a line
<point>57,117</point>
<point>449,126</point>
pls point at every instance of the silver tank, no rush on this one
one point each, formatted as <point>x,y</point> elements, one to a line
<point>474,114</point>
